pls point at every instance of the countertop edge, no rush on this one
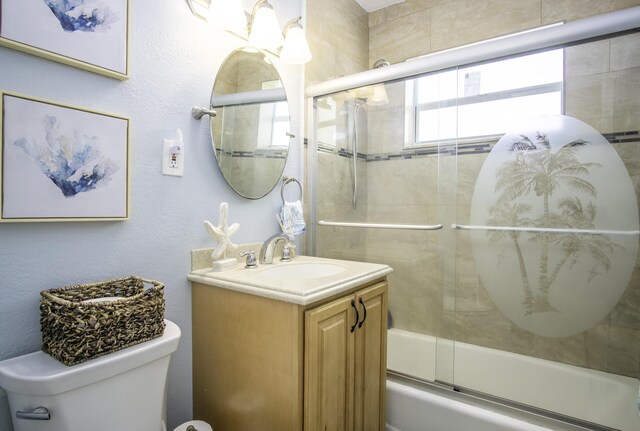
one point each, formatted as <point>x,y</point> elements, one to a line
<point>289,297</point>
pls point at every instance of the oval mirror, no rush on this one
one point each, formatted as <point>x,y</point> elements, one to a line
<point>250,132</point>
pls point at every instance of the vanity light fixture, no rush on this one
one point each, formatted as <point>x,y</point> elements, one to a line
<point>262,31</point>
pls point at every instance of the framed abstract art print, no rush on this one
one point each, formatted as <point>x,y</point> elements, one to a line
<point>89,34</point>
<point>61,163</point>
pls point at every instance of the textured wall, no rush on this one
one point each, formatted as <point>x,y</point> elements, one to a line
<point>174,57</point>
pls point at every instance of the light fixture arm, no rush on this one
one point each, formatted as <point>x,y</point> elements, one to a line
<point>257,6</point>
<point>295,22</point>
<point>206,4</point>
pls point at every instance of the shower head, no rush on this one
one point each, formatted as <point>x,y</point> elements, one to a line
<point>371,94</point>
<point>380,63</point>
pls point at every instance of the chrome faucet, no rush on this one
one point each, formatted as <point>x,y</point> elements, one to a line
<point>266,252</point>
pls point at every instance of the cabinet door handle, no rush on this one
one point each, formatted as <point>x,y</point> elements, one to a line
<point>365,313</point>
<point>353,304</point>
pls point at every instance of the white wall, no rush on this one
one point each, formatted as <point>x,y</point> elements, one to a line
<point>174,58</point>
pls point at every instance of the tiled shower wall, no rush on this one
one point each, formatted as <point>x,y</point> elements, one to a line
<point>435,286</point>
<point>417,27</point>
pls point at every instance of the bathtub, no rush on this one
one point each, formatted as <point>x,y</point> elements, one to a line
<point>611,400</point>
<point>411,409</point>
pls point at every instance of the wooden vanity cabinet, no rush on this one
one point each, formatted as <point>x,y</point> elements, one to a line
<point>345,362</point>
<point>265,364</point>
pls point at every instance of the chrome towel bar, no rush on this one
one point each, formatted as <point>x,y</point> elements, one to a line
<point>381,225</point>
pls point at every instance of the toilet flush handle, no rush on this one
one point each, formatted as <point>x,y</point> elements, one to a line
<point>37,414</point>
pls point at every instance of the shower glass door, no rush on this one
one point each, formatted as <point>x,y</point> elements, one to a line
<point>505,196</point>
<point>391,195</point>
<point>547,309</point>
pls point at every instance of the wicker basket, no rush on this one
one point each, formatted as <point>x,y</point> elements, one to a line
<point>74,331</point>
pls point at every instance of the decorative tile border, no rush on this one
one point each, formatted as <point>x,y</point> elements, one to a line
<point>258,154</point>
<point>451,149</point>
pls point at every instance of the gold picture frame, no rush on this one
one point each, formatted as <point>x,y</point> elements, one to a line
<point>95,39</point>
<point>61,162</point>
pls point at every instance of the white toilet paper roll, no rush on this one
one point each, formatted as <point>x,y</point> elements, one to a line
<point>198,425</point>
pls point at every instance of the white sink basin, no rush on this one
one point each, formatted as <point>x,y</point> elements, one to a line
<point>303,281</point>
<point>302,270</point>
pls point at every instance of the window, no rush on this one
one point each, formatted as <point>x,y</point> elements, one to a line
<point>482,100</point>
<point>273,127</point>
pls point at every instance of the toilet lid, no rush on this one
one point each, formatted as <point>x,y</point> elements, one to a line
<point>198,425</point>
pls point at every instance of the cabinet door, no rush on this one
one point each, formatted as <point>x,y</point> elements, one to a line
<point>329,362</point>
<point>370,358</point>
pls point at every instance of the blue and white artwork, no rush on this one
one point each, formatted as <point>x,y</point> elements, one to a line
<point>73,163</point>
<point>82,15</point>
<point>61,162</point>
<point>89,34</point>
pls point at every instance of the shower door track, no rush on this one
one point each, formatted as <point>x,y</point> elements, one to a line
<point>504,406</point>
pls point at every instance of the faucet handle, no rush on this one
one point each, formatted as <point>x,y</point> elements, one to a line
<point>286,253</point>
<point>251,259</point>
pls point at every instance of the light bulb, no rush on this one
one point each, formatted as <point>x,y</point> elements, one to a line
<point>229,15</point>
<point>265,30</point>
<point>295,49</point>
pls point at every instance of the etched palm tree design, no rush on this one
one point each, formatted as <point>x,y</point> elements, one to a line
<point>576,216</point>
<point>507,214</point>
<point>538,171</point>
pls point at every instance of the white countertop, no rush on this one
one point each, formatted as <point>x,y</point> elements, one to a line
<point>297,289</point>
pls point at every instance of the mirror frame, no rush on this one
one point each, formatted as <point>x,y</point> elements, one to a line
<point>219,102</point>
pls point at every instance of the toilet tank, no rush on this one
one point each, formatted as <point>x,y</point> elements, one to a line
<point>121,391</point>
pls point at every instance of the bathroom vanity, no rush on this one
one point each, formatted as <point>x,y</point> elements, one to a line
<point>291,346</point>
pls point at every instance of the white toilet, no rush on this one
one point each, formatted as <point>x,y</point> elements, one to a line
<point>121,391</point>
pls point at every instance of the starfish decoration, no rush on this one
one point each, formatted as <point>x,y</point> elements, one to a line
<point>222,233</point>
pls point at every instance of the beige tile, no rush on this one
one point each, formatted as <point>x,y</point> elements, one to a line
<point>570,10</point>
<point>378,17</point>
<point>336,29</point>
<point>483,328</point>
<point>588,98</point>
<point>400,39</point>
<point>586,59</point>
<point>568,350</point>
<point>385,130</point>
<point>625,52</point>
<point>410,313</point>
<point>322,66</point>
<point>624,351</point>
<point>461,22</point>
<point>627,312</point>
<point>408,7</point>
<point>625,99</point>
<point>403,182</point>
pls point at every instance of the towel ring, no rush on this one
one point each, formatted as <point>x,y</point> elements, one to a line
<point>285,181</point>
